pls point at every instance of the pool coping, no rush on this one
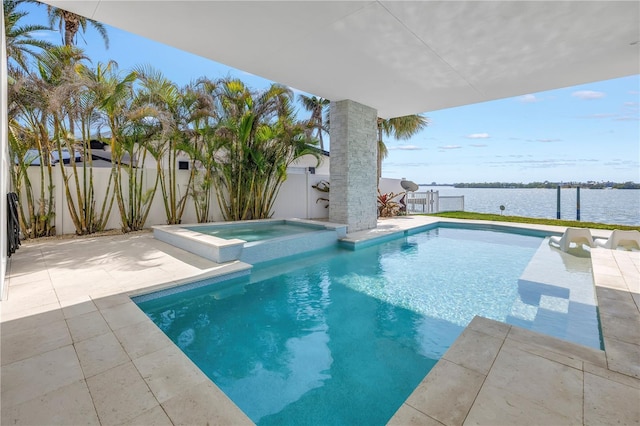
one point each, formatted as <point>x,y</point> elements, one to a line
<point>174,390</point>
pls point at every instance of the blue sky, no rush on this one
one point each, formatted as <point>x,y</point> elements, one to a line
<point>583,133</point>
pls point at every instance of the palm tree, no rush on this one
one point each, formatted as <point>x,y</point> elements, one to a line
<point>71,104</point>
<point>400,128</point>
<point>82,90</point>
<point>258,138</point>
<point>69,24</point>
<point>318,108</point>
<point>115,92</point>
<point>173,110</point>
<point>19,38</point>
<point>203,148</point>
<point>30,131</point>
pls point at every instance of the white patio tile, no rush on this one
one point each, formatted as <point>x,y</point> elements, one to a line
<point>112,300</point>
<point>36,376</point>
<point>606,400</point>
<point>28,275</point>
<point>568,360</point>
<point>123,315</point>
<point>30,295</point>
<point>142,339</point>
<point>120,394</point>
<point>13,314</point>
<point>499,406</point>
<point>474,350</point>
<point>549,384</point>
<point>100,353</point>
<point>30,321</point>
<point>447,393</point>
<point>77,306</point>
<point>409,416</point>
<point>153,417</point>
<point>202,404</point>
<point>68,405</point>
<point>25,344</point>
<point>168,372</point>
<point>87,325</point>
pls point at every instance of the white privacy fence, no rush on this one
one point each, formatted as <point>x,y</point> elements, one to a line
<point>296,198</point>
<point>432,202</point>
<point>451,203</point>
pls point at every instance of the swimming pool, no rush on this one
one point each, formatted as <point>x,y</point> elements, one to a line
<point>342,337</point>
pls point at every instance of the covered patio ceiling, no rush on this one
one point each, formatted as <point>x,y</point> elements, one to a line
<point>400,57</point>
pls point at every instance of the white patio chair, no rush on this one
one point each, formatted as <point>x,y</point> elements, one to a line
<point>576,236</point>
<point>626,239</point>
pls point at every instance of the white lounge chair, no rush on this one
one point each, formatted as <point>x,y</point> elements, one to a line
<point>626,239</point>
<point>577,236</point>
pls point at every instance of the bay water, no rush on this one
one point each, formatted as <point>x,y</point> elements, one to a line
<point>613,206</point>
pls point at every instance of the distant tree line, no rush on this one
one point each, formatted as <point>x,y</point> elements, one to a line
<point>588,185</point>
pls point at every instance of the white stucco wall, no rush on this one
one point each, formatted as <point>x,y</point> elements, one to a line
<point>306,161</point>
<point>296,198</point>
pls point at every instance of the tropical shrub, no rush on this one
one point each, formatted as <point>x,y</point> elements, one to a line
<point>258,137</point>
<point>387,207</point>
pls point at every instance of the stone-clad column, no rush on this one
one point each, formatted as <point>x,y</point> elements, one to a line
<point>353,167</point>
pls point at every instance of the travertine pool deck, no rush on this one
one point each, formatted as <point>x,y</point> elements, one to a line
<point>76,350</point>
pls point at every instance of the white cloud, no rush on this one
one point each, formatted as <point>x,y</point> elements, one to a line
<point>622,164</point>
<point>548,140</point>
<point>529,98</point>
<point>558,163</point>
<point>626,118</point>
<point>631,104</point>
<point>45,34</point>
<point>536,164</point>
<point>405,148</point>
<point>478,136</point>
<point>588,94</point>
<point>450,147</point>
<point>392,164</point>
<point>479,145</point>
<point>599,115</point>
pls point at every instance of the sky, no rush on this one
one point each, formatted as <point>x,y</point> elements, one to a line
<point>582,133</point>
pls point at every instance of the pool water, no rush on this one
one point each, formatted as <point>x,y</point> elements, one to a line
<point>253,232</point>
<point>344,337</point>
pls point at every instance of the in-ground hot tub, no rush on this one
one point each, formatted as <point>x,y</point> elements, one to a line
<point>252,241</point>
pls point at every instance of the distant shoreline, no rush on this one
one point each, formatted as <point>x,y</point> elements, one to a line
<point>547,185</point>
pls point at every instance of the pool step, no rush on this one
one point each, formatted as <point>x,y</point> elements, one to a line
<point>557,297</point>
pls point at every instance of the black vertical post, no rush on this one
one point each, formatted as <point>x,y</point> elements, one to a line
<point>578,205</point>
<point>558,208</point>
